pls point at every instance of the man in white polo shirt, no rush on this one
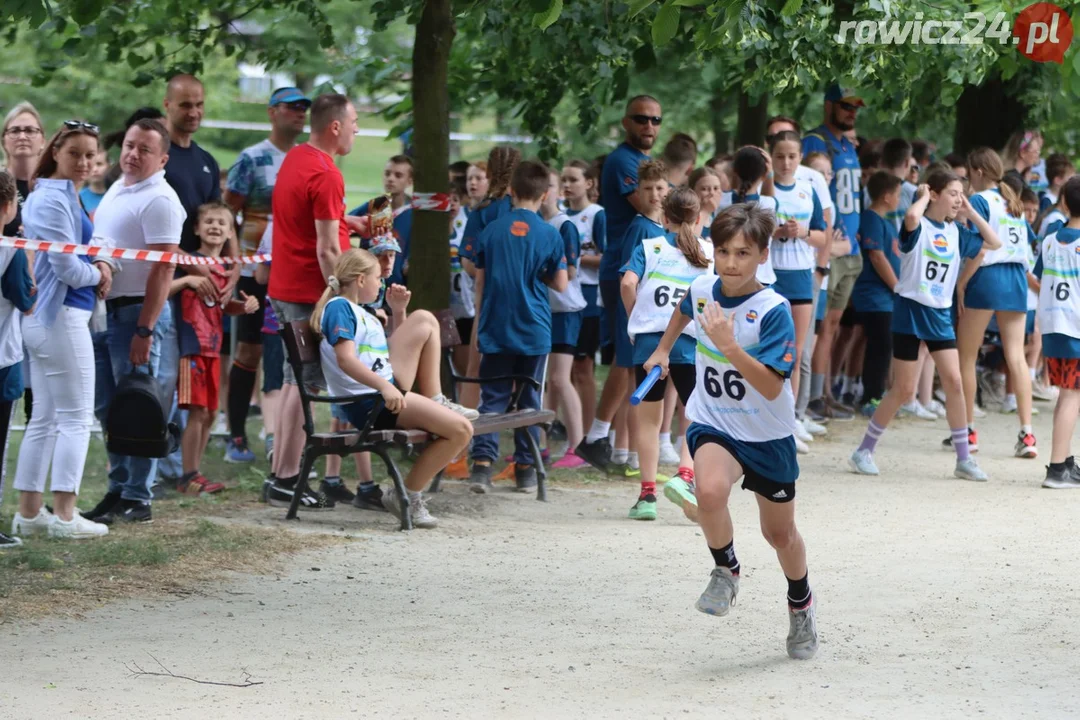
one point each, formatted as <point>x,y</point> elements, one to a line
<point>141,212</point>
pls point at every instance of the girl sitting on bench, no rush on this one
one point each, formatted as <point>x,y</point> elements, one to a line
<point>357,361</point>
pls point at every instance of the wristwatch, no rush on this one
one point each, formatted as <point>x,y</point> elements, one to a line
<point>143,332</point>
<point>823,271</point>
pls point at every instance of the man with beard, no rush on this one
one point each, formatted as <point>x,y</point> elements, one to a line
<point>248,192</point>
<point>618,181</point>
<point>841,107</point>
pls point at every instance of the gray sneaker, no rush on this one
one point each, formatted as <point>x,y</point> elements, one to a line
<point>802,635</point>
<point>719,596</point>
<point>480,480</point>
<point>418,511</point>
<point>1067,478</point>
<point>524,478</point>
<point>862,462</point>
<point>969,470</point>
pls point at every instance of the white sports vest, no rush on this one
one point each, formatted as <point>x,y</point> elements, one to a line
<point>667,279</point>
<point>928,273</point>
<point>1052,217</point>
<point>764,274</point>
<point>371,349</point>
<point>1012,231</point>
<point>795,204</point>
<point>570,299</point>
<point>1059,293</point>
<point>722,398</point>
<point>462,293</point>
<point>584,221</point>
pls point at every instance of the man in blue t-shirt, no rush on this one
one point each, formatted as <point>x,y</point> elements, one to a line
<point>830,138</point>
<point>517,257</point>
<point>618,181</point>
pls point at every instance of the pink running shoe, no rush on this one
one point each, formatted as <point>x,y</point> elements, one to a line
<point>569,461</point>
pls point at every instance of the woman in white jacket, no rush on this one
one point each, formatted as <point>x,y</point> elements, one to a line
<point>57,338</point>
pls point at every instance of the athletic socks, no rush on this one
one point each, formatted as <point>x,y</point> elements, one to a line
<point>725,557</point>
<point>960,443</point>
<point>332,480</point>
<point>647,488</point>
<point>632,460</point>
<point>598,431</point>
<point>619,456</point>
<point>367,486</point>
<point>874,433</point>
<point>798,592</point>
<point>665,439</point>
<point>241,385</point>
<point>1026,430</point>
<point>817,385</point>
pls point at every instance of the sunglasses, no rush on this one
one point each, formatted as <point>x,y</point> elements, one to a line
<point>299,106</point>
<point>847,107</point>
<point>80,125</point>
<point>646,119</point>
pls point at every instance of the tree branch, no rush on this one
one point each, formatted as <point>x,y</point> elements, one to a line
<point>137,672</point>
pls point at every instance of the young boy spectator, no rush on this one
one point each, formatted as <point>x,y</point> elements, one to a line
<point>94,189</point>
<point>1058,170</point>
<point>200,329</point>
<point>397,177</point>
<point>516,256</point>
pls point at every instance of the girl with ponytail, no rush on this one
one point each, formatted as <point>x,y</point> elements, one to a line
<point>751,168</point>
<point>995,284</point>
<point>358,362</point>
<point>655,280</point>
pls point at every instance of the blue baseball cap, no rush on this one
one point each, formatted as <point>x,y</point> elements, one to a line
<point>288,95</point>
<point>385,243</point>
<point>835,93</point>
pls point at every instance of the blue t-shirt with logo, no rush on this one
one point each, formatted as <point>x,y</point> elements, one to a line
<point>517,253</point>
<point>846,185</point>
<point>870,293</point>
<point>618,179</point>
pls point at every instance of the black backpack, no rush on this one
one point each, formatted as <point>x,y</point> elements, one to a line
<point>138,421</point>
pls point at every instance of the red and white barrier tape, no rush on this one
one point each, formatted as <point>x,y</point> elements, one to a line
<point>439,202</point>
<point>154,256</point>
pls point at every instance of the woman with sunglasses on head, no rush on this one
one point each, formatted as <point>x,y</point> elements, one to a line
<point>57,339</point>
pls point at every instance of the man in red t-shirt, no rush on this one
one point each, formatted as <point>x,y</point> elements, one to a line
<point>309,235</point>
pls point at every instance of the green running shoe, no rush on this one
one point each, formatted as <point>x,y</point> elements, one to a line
<point>644,508</point>
<point>623,470</point>
<point>681,492</point>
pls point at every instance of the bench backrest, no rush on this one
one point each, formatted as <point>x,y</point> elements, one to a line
<point>301,348</point>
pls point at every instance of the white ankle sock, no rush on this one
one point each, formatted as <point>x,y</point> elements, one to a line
<point>598,431</point>
<point>632,460</point>
<point>618,456</point>
<point>665,439</point>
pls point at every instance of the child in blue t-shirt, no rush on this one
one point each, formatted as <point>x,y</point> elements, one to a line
<point>517,258</point>
<point>872,296</point>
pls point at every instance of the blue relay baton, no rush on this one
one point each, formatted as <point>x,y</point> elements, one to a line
<point>645,386</point>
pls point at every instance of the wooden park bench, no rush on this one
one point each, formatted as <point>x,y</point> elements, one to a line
<point>302,348</point>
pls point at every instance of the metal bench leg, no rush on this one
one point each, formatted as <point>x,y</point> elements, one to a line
<point>399,487</point>
<point>538,461</point>
<point>434,488</point>
<point>307,461</point>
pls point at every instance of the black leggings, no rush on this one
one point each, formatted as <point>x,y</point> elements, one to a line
<point>877,327</point>
<point>6,407</point>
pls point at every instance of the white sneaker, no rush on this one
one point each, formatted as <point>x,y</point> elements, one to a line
<point>669,455</point>
<point>1008,405</point>
<point>467,413</point>
<point>78,529</point>
<point>916,409</point>
<point>221,428</point>
<point>813,428</point>
<point>862,462</point>
<point>939,395</point>
<point>969,470</point>
<point>1044,392</point>
<point>419,514</point>
<point>979,412</point>
<point>801,447</point>
<point>801,433</point>
<point>32,526</point>
<point>936,407</point>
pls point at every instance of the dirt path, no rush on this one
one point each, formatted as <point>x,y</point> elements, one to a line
<point>937,598</point>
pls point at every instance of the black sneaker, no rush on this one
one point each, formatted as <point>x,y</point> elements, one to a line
<point>7,542</point>
<point>281,494</point>
<point>268,483</point>
<point>480,480</point>
<point>557,432</point>
<point>133,511</point>
<point>525,477</point>
<point>337,491</point>
<point>110,502</point>
<point>369,500</point>
<point>596,453</point>
<point>1067,478</point>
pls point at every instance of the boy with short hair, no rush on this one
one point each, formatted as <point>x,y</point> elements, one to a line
<point>200,329</point>
<point>397,178</point>
<point>679,157</point>
<point>1058,171</point>
<point>94,190</point>
<point>517,257</point>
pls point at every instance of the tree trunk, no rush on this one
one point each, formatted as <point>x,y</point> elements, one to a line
<point>752,117</point>
<point>986,115</point>
<point>429,274</point>
<point>718,105</point>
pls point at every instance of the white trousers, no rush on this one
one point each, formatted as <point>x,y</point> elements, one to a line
<point>62,375</point>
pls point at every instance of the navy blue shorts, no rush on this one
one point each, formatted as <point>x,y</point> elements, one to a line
<point>1001,287</point>
<point>770,468</point>
<point>797,286</point>
<point>565,328</point>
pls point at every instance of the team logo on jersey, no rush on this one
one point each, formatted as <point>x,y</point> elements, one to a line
<point>939,248</point>
<point>787,357</point>
<point>458,224</point>
<point>1078,249</point>
<point>453,252</point>
<point>584,219</point>
<point>802,196</point>
<point>656,249</point>
<point>701,305</point>
<point>519,229</point>
<point>751,317</point>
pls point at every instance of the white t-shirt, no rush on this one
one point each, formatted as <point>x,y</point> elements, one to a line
<point>137,217</point>
<point>817,181</point>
